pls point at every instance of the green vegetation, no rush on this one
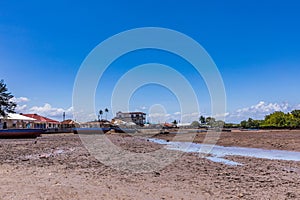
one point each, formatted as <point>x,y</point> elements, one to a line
<point>202,119</point>
<point>276,120</point>
<point>100,115</point>
<point>195,124</point>
<point>282,120</point>
<point>106,111</point>
<point>6,103</point>
<point>251,123</point>
<point>208,122</point>
<point>231,125</point>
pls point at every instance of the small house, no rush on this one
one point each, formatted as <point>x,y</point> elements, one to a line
<point>43,122</point>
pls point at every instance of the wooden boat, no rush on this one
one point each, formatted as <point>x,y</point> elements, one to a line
<point>102,130</point>
<point>91,130</point>
<point>124,130</point>
<point>20,133</point>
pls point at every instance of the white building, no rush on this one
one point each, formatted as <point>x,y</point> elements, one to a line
<point>16,121</point>
<point>139,118</point>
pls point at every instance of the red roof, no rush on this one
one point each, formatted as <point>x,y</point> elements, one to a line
<point>168,125</point>
<point>68,121</point>
<point>41,118</point>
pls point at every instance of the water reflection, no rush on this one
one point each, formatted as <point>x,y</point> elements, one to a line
<point>218,152</point>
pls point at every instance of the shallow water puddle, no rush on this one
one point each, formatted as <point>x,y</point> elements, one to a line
<point>223,160</point>
<point>218,152</point>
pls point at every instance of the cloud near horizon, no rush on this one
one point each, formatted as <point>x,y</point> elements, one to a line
<point>46,110</point>
<point>20,99</point>
<point>259,111</point>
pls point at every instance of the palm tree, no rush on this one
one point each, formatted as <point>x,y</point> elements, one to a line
<point>202,119</point>
<point>106,111</point>
<point>6,103</point>
<point>101,113</point>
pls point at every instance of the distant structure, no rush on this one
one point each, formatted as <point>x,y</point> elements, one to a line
<point>42,122</point>
<point>139,118</point>
<point>69,124</point>
<point>13,120</point>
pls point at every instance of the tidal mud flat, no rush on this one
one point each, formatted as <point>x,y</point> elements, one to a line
<point>60,167</point>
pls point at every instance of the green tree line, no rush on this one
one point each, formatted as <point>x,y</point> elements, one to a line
<point>275,120</point>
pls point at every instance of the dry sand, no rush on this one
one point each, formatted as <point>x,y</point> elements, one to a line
<point>60,167</point>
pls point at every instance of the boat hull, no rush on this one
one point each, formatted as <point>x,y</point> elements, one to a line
<point>20,133</point>
<point>124,130</point>
<point>91,130</point>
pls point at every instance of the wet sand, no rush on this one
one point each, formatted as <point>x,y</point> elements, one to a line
<point>60,167</point>
<point>275,139</point>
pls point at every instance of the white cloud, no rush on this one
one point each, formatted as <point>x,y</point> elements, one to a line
<point>259,111</point>
<point>189,117</point>
<point>263,107</point>
<point>20,99</point>
<point>221,116</point>
<point>48,110</point>
<point>143,107</point>
<point>161,117</point>
<point>21,108</point>
<point>191,114</point>
<point>140,109</point>
<point>155,115</point>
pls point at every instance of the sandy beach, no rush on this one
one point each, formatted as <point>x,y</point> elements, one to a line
<point>59,166</point>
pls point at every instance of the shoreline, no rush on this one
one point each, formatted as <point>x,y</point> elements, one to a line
<point>273,139</point>
<point>58,166</point>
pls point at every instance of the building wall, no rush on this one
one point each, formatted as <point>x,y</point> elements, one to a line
<point>138,118</point>
<point>16,124</point>
<point>45,125</point>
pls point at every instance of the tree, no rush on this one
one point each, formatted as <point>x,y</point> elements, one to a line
<point>174,122</point>
<point>219,123</point>
<point>6,103</point>
<point>296,113</point>
<point>210,120</point>
<point>292,121</point>
<point>106,111</point>
<point>231,125</point>
<point>195,124</point>
<point>244,124</point>
<point>100,113</point>
<point>202,119</point>
<point>276,120</point>
<point>251,123</point>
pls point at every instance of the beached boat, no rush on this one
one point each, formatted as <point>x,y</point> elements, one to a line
<point>90,130</point>
<point>20,133</point>
<point>124,130</point>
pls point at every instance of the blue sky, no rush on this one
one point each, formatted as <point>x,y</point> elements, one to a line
<point>255,45</point>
